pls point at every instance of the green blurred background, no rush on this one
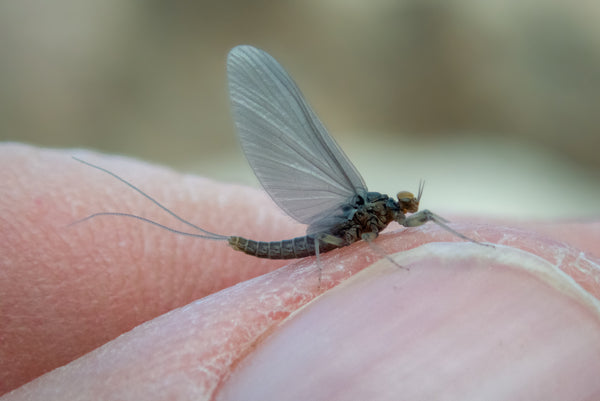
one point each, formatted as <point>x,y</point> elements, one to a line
<point>496,104</point>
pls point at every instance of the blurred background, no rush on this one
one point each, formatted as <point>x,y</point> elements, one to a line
<point>495,104</point>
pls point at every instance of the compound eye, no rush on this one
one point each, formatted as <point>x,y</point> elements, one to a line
<point>405,195</point>
<point>407,202</point>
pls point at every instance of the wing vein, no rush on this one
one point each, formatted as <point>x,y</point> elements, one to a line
<point>293,156</point>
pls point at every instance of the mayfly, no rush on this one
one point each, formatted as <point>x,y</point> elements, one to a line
<point>300,166</point>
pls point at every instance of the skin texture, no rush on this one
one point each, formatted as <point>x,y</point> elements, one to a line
<point>462,320</point>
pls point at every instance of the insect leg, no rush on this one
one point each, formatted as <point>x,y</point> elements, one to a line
<point>331,239</point>
<point>317,253</point>
<point>424,216</point>
<point>325,241</point>
<point>369,238</point>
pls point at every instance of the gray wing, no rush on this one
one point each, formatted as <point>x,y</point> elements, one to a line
<point>295,159</point>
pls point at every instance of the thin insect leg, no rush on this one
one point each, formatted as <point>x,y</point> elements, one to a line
<point>327,239</point>
<point>379,251</point>
<point>317,254</point>
<point>151,199</point>
<point>216,237</point>
<point>424,216</point>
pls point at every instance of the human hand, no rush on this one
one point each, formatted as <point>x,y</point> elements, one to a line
<point>461,322</point>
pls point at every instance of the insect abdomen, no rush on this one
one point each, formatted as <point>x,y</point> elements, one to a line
<point>299,247</point>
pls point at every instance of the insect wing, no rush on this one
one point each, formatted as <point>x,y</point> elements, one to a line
<point>295,159</point>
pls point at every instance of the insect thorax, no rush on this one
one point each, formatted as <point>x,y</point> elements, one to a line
<point>367,214</point>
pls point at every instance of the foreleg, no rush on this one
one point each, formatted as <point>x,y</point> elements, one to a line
<point>424,216</point>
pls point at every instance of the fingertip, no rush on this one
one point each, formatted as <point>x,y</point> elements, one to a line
<point>461,313</point>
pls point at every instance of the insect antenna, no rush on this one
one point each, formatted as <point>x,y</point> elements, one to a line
<point>421,187</point>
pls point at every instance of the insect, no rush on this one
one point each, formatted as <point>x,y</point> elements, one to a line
<point>300,166</point>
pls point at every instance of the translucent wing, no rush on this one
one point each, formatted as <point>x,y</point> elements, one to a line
<point>295,159</point>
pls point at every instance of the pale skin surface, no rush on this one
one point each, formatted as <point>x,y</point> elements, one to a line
<point>68,290</point>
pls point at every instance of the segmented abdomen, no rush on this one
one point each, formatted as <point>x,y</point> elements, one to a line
<point>299,247</point>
